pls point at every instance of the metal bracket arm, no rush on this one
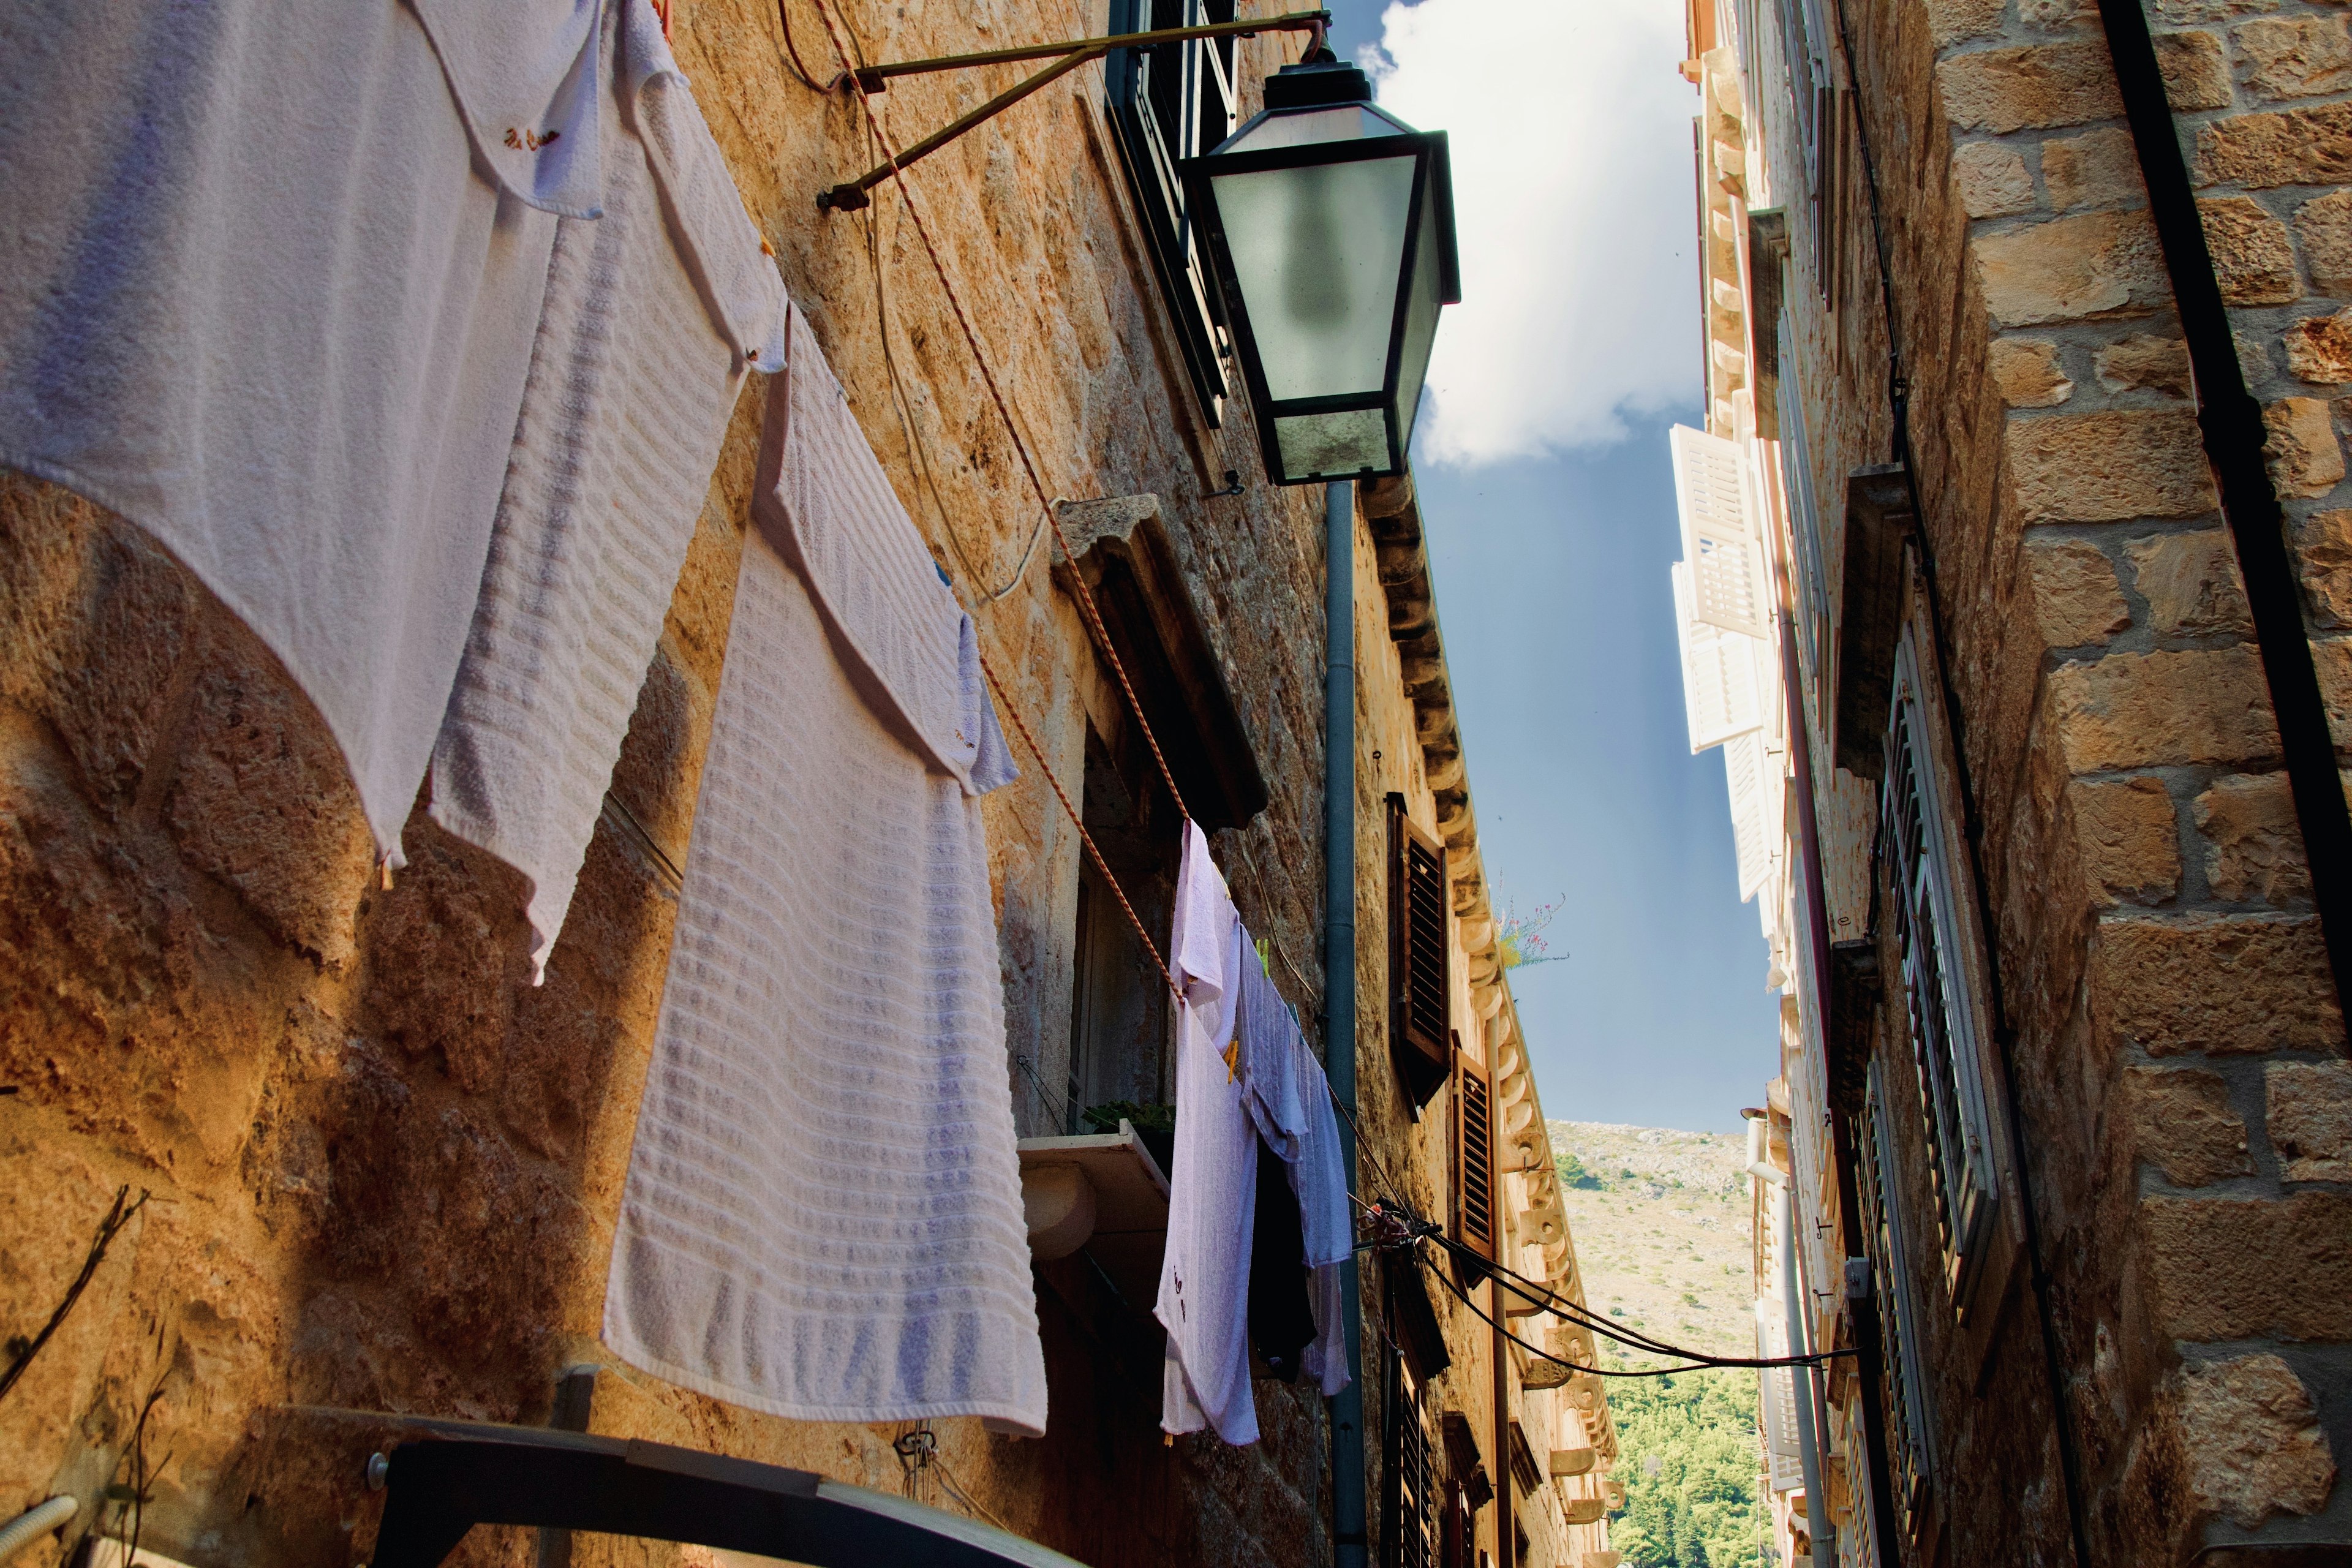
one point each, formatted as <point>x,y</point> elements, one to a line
<point>851,195</point>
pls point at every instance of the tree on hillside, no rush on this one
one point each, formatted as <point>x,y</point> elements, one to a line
<point>1689,1462</point>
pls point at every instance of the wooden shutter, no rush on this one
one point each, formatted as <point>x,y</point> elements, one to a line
<point>1411,1476</point>
<point>1721,544</point>
<point>1474,1156</point>
<point>1723,680</point>
<point>1420,1033</point>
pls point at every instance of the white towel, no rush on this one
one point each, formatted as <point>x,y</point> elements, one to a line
<point>255,295</point>
<point>823,1216</point>
<point>633,380</point>
<point>1204,1301</point>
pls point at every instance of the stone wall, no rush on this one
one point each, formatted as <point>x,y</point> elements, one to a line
<point>2178,1052</point>
<point>381,1167</point>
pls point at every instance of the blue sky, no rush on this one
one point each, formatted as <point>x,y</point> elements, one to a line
<point>1549,508</point>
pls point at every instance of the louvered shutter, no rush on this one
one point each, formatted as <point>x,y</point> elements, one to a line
<point>1754,781</point>
<point>1412,1476</point>
<point>1721,541</point>
<point>1723,688</point>
<point>1420,1031</point>
<point>1474,1156</point>
<point>1778,1395</point>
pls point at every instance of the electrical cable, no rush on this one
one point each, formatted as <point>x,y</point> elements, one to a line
<point>1092,612</point>
<point>792,55</point>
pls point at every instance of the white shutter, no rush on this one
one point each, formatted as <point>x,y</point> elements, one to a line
<point>1752,778</point>
<point>1723,692</point>
<point>1776,1386</point>
<point>1720,539</point>
<point>1777,1393</point>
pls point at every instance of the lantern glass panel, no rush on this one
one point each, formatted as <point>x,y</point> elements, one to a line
<point>1339,444</point>
<point>1315,250</point>
<point>1423,298</point>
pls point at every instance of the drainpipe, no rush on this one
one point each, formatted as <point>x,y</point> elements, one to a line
<point>1348,1538</point>
<point>1800,1379</point>
<point>2232,423</point>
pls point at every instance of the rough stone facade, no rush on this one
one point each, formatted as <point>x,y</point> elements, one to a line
<point>376,1170</point>
<point>2146,1352</point>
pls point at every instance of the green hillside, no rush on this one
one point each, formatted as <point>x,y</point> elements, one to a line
<point>1661,1222</point>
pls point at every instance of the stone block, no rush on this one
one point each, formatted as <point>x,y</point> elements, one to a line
<point>2097,169</point>
<point>2319,348</point>
<point>2129,842</point>
<point>2253,848</point>
<point>2325,544</point>
<point>2027,372</point>
<point>2092,264</point>
<point>2325,228</point>
<point>2182,1124</point>
<point>2309,1111</point>
<point>2294,147</point>
<point>2243,1269</point>
<point>2332,655</point>
<point>1992,179</point>
<point>2251,1439</point>
<point>263,802</point>
<point>2305,457</point>
<point>2294,57</point>
<point>2190,584</point>
<point>2192,13</point>
<point>2253,256</point>
<point>2151,710</point>
<point>2219,985</point>
<point>1954,21</point>
<point>2071,83</point>
<point>2076,598</point>
<point>2100,468</point>
<point>2145,362</point>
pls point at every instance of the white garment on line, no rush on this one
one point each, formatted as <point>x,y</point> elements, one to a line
<point>634,378</point>
<point>823,1216</point>
<point>1203,1301</point>
<point>256,296</point>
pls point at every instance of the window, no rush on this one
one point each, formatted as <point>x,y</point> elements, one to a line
<point>1908,1432</point>
<point>1170,102</point>
<point>1944,1022</point>
<point>1121,1030</point>
<point>1473,1155</point>
<point>1411,1504</point>
<point>1420,1031</point>
<point>1813,594</point>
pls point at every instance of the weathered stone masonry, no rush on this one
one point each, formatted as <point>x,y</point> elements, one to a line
<point>2180,1072</point>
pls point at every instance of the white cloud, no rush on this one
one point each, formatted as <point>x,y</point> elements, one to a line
<point>1570,139</point>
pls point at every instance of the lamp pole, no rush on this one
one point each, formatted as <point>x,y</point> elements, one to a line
<point>1348,1537</point>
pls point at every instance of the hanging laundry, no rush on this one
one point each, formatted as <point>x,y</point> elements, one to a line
<point>1281,1317</point>
<point>258,295</point>
<point>1289,1101</point>
<point>654,313</point>
<point>1203,1301</point>
<point>823,1213</point>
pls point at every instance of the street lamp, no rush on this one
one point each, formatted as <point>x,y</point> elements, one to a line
<point>1329,228</point>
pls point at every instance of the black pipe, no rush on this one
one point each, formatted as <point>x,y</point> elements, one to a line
<point>2235,435</point>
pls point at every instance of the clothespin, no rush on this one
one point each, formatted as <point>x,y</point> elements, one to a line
<point>384,868</point>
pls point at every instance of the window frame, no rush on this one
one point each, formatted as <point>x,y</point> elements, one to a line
<point>1910,1430</point>
<point>1943,1022</point>
<point>1198,79</point>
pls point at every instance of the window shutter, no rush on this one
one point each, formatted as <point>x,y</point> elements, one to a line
<point>1723,690</point>
<point>1720,541</point>
<point>1412,1511</point>
<point>1420,1032</point>
<point>1474,1156</point>
<point>1753,781</point>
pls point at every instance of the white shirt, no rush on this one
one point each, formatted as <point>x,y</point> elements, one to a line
<point>1205,1276</point>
